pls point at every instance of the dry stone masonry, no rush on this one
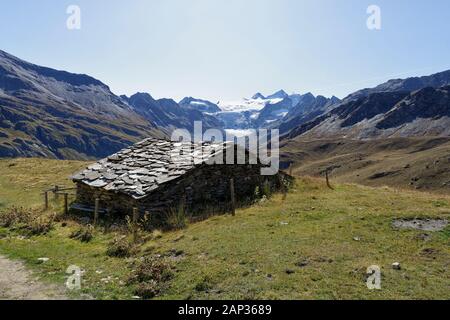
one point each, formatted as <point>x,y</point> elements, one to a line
<point>158,176</point>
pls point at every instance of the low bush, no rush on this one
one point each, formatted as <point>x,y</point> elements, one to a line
<point>33,222</point>
<point>121,247</point>
<point>15,216</point>
<point>41,225</point>
<point>151,277</point>
<point>147,290</point>
<point>266,189</point>
<point>176,218</point>
<point>204,285</point>
<point>157,234</point>
<point>84,234</point>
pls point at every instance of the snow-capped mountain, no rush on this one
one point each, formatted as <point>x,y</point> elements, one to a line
<point>278,95</point>
<point>261,111</point>
<point>199,105</point>
<point>245,114</point>
<point>258,96</point>
<point>246,104</point>
<point>258,102</point>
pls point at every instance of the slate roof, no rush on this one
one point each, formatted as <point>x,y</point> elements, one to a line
<point>145,166</point>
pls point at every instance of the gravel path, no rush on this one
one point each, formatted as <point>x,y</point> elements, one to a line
<point>18,283</point>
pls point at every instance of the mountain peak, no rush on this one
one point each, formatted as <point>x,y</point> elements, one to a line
<point>409,84</point>
<point>27,72</point>
<point>50,98</point>
<point>199,105</point>
<point>281,94</point>
<point>258,95</point>
<point>308,95</point>
<point>334,100</point>
<point>141,96</point>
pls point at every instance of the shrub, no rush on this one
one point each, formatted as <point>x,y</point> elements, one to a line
<point>15,216</point>
<point>84,234</point>
<point>39,226</point>
<point>120,247</point>
<point>33,222</point>
<point>257,192</point>
<point>152,268</point>
<point>204,285</point>
<point>157,234</point>
<point>176,218</point>
<point>148,290</point>
<point>138,229</point>
<point>266,190</point>
<point>151,277</point>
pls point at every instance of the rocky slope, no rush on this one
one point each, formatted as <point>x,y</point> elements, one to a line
<point>410,84</point>
<point>420,163</point>
<point>50,113</point>
<point>199,105</point>
<point>307,108</point>
<point>371,113</point>
<point>278,110</point>
<point>273,112</point>
<point>168,114</point>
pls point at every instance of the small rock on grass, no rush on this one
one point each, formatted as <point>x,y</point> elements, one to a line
<point>302,263</point>
<point>396,266</point>
<point>43,260</point>
<point>289,271</point>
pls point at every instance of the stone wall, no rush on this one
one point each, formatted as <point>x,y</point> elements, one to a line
<point>205,189</point>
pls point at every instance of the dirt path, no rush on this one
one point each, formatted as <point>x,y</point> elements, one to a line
<point>18,283</point>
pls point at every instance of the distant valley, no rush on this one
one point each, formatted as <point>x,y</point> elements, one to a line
<point>420,163</point>
<point>278,110</point>
<point>57,114</point>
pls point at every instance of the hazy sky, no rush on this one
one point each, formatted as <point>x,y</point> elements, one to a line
<point>229,49</point>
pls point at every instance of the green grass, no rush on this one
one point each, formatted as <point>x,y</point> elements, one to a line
<point>64,252</point>
<point>247,256</point>
<point>22,181</point>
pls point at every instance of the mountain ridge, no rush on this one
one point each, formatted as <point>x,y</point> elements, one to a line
<point>56,114</point>
<point>168,114</point>
<point>385,114</point>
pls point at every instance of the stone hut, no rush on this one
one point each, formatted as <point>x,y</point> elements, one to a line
<point>159,175</point>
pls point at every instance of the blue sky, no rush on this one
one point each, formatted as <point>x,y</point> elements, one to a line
<point>222,50</point>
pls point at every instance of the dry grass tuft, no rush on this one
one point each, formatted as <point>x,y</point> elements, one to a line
<point>151,277</point>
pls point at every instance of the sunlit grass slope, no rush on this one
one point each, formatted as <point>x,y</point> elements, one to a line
<point>315,244</point>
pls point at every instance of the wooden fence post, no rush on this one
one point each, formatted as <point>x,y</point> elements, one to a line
<point>66,203</point>
<point>328,180</point>
<point>290,169</point>
<point>135,224</point>
<point>56,190</point>
<point>46,200</point>
<point>96,208</point>
<point>282,186</point>
<point>233,197</point>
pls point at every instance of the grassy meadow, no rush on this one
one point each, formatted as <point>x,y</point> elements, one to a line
<point>315,244</point>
